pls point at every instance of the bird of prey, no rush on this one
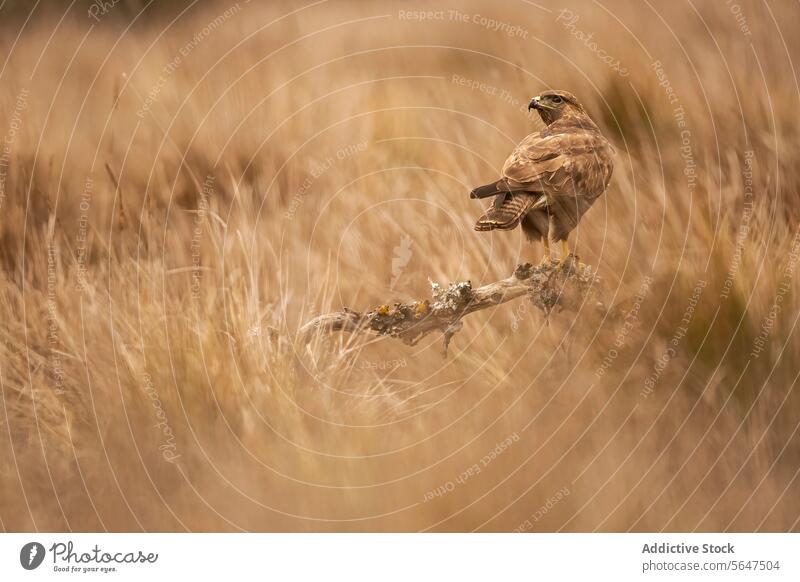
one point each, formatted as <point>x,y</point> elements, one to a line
<point>552,177</point>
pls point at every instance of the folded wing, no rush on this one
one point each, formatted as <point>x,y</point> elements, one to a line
<point>572,168</point>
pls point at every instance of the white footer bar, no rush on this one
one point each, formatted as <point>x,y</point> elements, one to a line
<point>401,557</point>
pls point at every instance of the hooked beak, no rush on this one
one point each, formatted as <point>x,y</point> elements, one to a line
<point>534,104</point>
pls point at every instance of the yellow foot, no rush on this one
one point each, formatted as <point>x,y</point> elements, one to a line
<point>564,252</point>
<point>547,258</point>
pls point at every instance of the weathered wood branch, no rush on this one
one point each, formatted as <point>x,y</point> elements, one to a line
<point>551,285</point>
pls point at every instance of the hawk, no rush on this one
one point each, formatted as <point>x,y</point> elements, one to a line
<point>552,177</point>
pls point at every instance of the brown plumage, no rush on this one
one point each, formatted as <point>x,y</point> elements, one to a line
<point>553,176</point>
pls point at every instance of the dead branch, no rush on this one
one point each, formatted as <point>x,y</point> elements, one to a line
<point>551,285</point>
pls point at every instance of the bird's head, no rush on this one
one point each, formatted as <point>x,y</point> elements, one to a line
<point>552,105</point>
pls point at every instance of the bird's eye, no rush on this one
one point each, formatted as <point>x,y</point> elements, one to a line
<point>557,99</point>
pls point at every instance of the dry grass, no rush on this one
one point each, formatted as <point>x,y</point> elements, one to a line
<point>330,143</point>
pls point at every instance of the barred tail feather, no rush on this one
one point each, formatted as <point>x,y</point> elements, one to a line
<point>507,211</point>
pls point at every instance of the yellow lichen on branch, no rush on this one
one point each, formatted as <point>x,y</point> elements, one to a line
<point>564,285</point>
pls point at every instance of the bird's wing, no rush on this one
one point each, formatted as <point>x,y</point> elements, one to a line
<point>508,209</point>
<point>502,186</point>
<point>560,163</point>
<point>535,160</point>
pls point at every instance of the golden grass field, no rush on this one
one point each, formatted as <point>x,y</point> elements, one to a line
<point>276,161</point>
